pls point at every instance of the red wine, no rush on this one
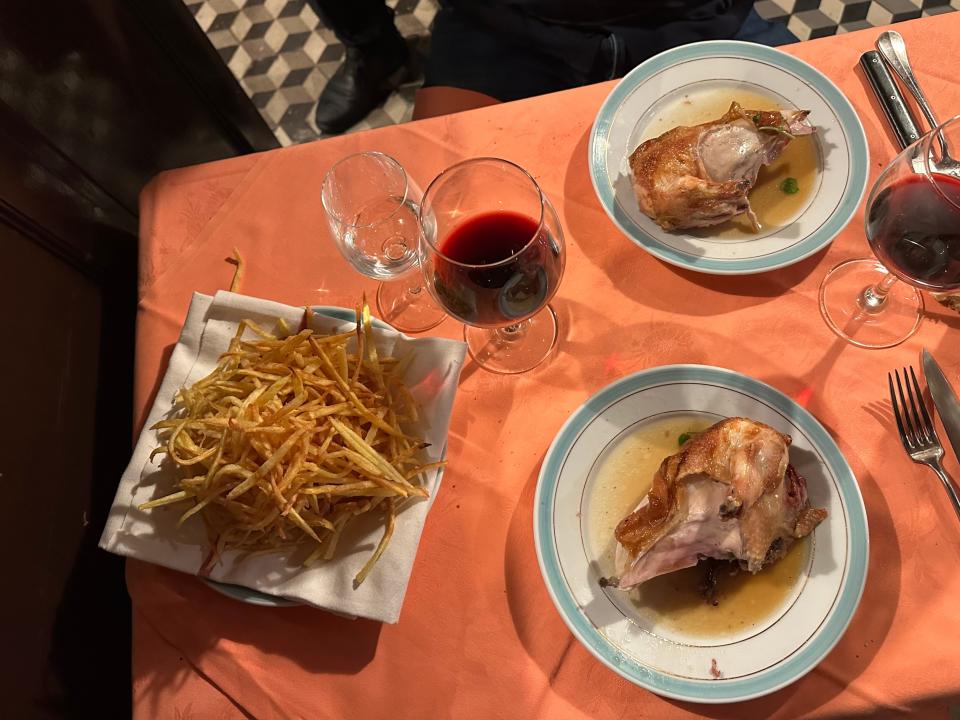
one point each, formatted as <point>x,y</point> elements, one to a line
<point>496,268</point>
<point>914,228</point>
<point>489,238</point>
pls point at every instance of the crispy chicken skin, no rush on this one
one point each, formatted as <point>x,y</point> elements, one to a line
<point>700,176</point>
<point>729,493</point>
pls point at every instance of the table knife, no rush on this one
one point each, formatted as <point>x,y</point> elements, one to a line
<point>895,107</point>
<point>945,399</point>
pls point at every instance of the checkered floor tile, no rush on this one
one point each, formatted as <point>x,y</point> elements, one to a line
<point>282,55</point>
<point>809,19</point>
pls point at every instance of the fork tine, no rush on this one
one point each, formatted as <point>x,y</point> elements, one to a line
<point>896,412</point>
<point>921,430</point>
<point>928,427</point>
<point>910,434</point>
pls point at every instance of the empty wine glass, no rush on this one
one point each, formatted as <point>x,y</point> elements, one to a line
<point>493,256</point>
<point>913,225</point>
<point>372,207</point>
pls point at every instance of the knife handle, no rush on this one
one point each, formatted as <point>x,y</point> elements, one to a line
<point>898,113</point>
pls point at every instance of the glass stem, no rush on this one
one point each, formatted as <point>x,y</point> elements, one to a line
<point>512,333</point>
<point>873,298</point>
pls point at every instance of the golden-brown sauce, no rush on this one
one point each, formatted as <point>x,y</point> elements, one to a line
<point>673,601</point>
<point>799,160</point>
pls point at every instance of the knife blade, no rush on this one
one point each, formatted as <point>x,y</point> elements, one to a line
<point>901,119</point>
<point>945,399</point>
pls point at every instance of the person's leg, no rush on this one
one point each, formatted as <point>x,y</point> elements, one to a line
<point>375,52</point>
<point>469,55</point>
<point>764,32</point>
<point>357,23</point>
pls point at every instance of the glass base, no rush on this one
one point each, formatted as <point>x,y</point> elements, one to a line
<point>515,348</point>
<point>406,306</point>
<point>884,325</point>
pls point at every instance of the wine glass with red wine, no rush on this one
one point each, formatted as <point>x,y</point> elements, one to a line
<point>913,226</point>
<point>492,255</point>
<point>372,207</point>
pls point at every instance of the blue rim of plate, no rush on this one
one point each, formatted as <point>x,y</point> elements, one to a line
<point>249,595</point>
<point>849,121</point>
<point>801,661</point>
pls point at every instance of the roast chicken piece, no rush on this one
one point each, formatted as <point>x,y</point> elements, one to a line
<point>700,176</point>
<point>729,493</point>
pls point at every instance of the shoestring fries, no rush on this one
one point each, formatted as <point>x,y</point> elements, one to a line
<point>292,438</point>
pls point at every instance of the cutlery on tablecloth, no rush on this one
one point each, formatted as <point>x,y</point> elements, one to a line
<point>894,105</point>
<point>894,51</point>
<point>917,433</point>
<point>944,399</point>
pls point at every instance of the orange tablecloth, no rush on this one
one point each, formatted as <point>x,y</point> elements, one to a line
<point>479,637</point>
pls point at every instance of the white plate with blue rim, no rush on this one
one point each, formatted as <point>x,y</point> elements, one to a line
<point>698,665</point>
<point>678,82</point>
<point>249,595</point>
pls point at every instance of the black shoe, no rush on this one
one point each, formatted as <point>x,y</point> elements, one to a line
<point>359,85</point>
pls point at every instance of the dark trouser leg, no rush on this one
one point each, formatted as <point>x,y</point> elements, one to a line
<point>358,23</point>
<point>469,55</point>
<point>757,30</point>
<point>375,53</point>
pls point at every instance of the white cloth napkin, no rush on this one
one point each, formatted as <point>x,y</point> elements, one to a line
<point>152,535</point>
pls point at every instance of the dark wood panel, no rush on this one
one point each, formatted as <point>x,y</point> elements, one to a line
<point>123,89</point>
<point>49,365</point>
<point>96,97</point>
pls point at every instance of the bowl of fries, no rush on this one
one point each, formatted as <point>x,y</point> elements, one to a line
<point>296,443</point>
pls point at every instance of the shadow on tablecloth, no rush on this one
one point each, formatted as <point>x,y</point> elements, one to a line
<point>225,641</point>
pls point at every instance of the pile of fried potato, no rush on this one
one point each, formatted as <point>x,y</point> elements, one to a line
<point>290,439</point>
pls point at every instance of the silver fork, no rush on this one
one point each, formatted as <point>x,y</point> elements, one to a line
<point>917,432</point>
